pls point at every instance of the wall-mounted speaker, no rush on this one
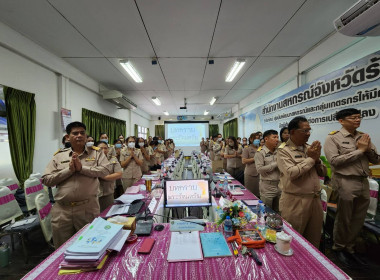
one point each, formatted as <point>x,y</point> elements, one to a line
<point>212,117</point>
<point>159,118</point>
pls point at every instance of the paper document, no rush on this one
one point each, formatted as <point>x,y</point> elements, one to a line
<point>129,198</point>
<point>117,245</point>
<point>152,205</point>
<point>23,222</point>
<point>214,245</point>
<point>118,209</point>
<point>133,189</point>
<point>185,246</point>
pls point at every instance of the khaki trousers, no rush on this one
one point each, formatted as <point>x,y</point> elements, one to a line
<point>128,182</point>
<point>105,201</point>
<point>270,194</point>
<point>305,214</point>
<point>252,184</point>
<point>67,220</point>
<point>353,202</point>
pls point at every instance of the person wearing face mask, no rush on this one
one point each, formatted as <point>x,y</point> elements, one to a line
<point>107,183</point>
<point>251,176</point>
<point>218,147</point>
<point>154,160</point>
<point>146,155</point>
<point>66,142</point>
<point>103,137</point>
<point>161,149</point>
<point>266,165</point>
<point>213,139</point>
<point>131,160</point>
<point>121,138</point>
<point>232,153</point>
<point>244,143</point>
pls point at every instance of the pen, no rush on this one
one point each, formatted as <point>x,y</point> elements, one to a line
<point>236,253</point>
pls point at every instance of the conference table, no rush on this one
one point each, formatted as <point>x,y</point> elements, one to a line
<point>305,263</point>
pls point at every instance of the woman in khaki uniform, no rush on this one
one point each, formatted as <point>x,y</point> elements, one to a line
<point>251,176</point>
<point>107,183</point>
<point>131,160</point>
<point>146,155</point>
<point>232,153</point>
<point>203,146</point>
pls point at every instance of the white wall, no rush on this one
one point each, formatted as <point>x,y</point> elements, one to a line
<point>56,84</point>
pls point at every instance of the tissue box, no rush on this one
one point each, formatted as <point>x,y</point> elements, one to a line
<point>127,222</point>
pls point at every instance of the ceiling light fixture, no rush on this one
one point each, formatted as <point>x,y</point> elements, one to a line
<point>212,101</point>
<point>206,113</point>
<point>127,65</point>
<point>166,113</point>
<point>239,63</point>
<point>156,101</point>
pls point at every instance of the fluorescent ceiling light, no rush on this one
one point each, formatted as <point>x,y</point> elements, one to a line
<point>239,63</point>
<point>156,101</point>
<point>206,113</point>
<point>166,113</point>
<point>127,65</point>
<point>212,101</point>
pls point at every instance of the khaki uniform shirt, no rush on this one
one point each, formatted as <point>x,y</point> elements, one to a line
<point>344,157</point>
<point>299,173</point>
<point>266,164</point>
<point>203,145</point>
<point>250,168</point>
<point>233,162</point>
<point>133,170</point>
<point>162,148</point>
<point>76,186</point>
<point>152,160</point>
<point>146,163</point>
<point>217,147</point>
<point>108,187</point>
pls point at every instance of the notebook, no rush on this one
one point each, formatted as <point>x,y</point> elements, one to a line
<point>214,245</point>
<point>185,246</point>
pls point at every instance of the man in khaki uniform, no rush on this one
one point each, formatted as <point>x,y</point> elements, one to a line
<point>218,147</point>
<point>266,165</point>
<point>300,168</point>
<point>75,172</point>
<point>107,183</point>
<point>251,176</point>
<point>349,152</point>
<point>131,159</point>
<point>210,147</point>
<point>203,145</point>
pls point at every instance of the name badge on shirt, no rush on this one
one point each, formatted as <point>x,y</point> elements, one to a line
<point>345,142</point>
<point>267,155</point>
<point>90,159</point>
<point>298,156</point>
<point>65,161</point>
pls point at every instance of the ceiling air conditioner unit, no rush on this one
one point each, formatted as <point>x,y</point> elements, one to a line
<point>117,98</point>
<point>362,19</point>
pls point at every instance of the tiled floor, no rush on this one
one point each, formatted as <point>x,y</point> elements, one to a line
<point>38,250</point>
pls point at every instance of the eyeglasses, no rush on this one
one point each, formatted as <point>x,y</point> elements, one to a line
<point>354,118</point>
<point>306,131</point>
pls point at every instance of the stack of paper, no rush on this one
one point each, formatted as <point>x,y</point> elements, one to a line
<point>91,249</point>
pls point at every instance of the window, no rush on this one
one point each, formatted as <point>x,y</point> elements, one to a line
<point>142,132</point>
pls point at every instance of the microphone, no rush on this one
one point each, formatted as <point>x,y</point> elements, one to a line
<point>203,224</point>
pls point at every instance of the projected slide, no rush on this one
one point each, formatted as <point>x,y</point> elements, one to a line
<point>186,134</point>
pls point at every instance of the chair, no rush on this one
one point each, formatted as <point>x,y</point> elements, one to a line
<point>11,184</point>
<point>9,210</point>
<point>43,207</point>
<point>373,193</point>
<point>32,187</point>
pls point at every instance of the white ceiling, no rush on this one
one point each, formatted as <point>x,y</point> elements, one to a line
<point>93,35</point>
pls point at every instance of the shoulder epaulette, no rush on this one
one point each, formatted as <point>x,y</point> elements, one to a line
<point>333,132</point>
<point>259,149</point>
<point>282,145</point>
<point>95,148</point>
<point>61,150</point>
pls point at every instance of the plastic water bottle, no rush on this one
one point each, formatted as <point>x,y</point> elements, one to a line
<point>260,216</point>
<point>225,184</point>
<point>228,226</point>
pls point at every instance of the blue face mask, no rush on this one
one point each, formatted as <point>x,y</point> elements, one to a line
<point>256,142</point>
<point>118,146</point>
<point>104,140</point>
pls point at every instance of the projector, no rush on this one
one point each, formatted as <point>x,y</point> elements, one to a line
<point>183,108</point>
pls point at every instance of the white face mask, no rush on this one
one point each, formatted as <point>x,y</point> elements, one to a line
<point>90,144</point>
<point>220,139</point>
<point>131,145</point>
<point>141,144</point>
